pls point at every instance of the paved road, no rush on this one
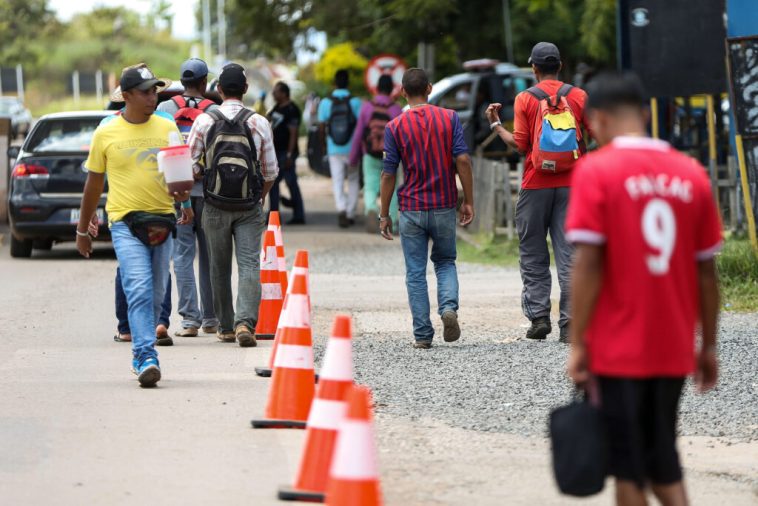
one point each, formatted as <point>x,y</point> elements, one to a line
<point>76,429</point>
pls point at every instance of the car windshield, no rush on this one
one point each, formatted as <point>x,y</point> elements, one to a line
<point>68,135</point>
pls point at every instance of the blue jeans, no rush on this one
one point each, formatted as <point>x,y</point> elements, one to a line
<point>290,177</point>
<point>190,239</point>
<point>416,228</point>
<point>144,276</point>
<point>122,308</point>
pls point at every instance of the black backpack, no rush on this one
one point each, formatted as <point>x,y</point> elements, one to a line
<point>341,121</point>
<point>233,180</point>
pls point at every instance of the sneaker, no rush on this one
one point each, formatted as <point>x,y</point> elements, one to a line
<point>564,338</point>
<point>210,330</point>
<point>161,336</point>
<point>372,222</point>
<point>149,373</point>
<point>422,345</point>
<point>540,328</point>
<point>342,220</point>
<point>135,366</point>
<point>451,330</point>
<point>226,337</point>
<point>245,338</point>
<point>186,332</point>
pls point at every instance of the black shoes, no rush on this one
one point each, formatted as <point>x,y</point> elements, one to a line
<point>296,221</point>
<point>564,334</point>
<point>422,345</point>
<point>540,328</point>
<point>451,330</point>
<point>342,220</point>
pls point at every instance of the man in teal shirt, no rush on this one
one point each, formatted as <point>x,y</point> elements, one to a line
<point>338,115</point>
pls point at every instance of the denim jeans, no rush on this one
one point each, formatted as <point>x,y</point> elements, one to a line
<point>239,232</point>
<point>190,239</point>
<point>416,229</point>
<point>144,276</point>
<point>122,308</point>
<point>290,177</point>
<point>372,181</point>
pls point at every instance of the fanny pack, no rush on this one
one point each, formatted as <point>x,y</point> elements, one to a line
<point>151,229</point>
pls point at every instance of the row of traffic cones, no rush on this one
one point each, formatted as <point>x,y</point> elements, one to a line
<point>338,463</point>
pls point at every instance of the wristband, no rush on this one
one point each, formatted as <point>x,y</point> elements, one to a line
<point>82,234</point>
<point>495,124</point>
<point>384,218</point>
<point>186,204</point>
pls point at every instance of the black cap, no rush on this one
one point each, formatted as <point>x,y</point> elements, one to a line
<point>232,78</point>
<point>141,78</point>
<point>545,52</point>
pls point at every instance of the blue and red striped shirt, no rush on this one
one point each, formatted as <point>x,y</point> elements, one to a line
<point>426,139</point>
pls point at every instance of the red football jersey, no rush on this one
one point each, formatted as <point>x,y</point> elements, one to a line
<point>652,208</point>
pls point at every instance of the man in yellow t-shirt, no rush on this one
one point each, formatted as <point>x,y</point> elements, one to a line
<point>126,149</point>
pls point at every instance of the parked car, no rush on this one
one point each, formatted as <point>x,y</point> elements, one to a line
<point>21,117</point>
<point>47,181</point>
<point>485,81</point>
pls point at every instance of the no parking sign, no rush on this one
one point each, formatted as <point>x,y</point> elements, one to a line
<point>385,64</point>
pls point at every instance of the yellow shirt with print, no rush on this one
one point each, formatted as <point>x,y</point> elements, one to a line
<point>128,153</point>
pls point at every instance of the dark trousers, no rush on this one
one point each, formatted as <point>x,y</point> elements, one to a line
<point>122,308</point>
<point>290,177</point>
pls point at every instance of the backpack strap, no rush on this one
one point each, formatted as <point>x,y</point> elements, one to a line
<point>564,90</point>
<point>205,104</point>
<point>179,100</point>
<point>217,115</point>
<point>537,93</point>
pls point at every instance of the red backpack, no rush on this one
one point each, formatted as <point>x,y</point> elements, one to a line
<point>188,112</point>
<point>373,133</point>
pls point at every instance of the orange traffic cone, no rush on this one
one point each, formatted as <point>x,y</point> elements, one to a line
<point>354,474</point>
<point>275,225</point>
<point>327,411</point>
<point>300,267</point>
<point>291,390</point>
<point>271,290</point>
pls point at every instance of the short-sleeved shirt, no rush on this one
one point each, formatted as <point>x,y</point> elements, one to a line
<point>426,140</point>
<point>259,127</point>
<point>128,153</point>
<point>525,111</point>
<point>283,118</point>
<point>652,209</point>
<point>325,111</point>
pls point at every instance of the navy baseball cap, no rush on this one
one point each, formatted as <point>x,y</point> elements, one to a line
<point>545,52</point>
<point>232,78</point>
<point>141,78</point>
<point>193,69</point>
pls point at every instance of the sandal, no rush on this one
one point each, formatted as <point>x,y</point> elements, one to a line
<point>119,338</point>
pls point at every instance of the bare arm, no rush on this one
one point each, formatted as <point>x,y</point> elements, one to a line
<point>586,281</point>
<point>707,367</point>
<point>93,188</point>
<point>387,189</point>
<point>493,115</point>
<point>463,168</point>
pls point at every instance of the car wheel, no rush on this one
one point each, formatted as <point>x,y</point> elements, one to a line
<point>21,248</point>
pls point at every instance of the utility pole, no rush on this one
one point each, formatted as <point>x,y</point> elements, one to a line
<point>207,30</point>
<point>508,30</point>
<point>221,14</point>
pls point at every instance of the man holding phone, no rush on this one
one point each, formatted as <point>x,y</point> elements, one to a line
<point>428,140</point>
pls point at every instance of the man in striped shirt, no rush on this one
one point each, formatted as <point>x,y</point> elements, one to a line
<point>428,140</point>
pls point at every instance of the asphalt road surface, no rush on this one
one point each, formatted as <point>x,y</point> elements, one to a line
<point>76,429</point>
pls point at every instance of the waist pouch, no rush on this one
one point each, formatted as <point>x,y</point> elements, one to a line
<point>151,229</point>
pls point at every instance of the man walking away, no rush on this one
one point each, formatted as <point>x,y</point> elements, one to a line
<point>543,115</point>
<point>140,209</point>
<point>190,238</point>
<point>646,229</point>
<point>337,116</point>
<point>368,142</point>
<point>285,122</point>
<point>233,151</point>
<point>428,140</point>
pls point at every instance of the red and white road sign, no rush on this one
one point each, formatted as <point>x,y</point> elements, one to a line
<point>384,64</point>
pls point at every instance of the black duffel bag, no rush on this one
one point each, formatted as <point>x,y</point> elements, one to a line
<point>579,447</point>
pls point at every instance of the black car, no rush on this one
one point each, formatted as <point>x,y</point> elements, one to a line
<point>47,181</point>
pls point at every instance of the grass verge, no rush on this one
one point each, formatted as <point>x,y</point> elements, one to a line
<point>737,266</point>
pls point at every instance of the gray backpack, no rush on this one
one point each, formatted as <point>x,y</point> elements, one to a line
<point>233,180</point>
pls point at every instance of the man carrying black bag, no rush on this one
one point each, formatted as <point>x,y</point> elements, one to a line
<point>233,151</point>
<point>646,229</point>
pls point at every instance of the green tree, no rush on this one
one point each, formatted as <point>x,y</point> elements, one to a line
<point>24,27</point>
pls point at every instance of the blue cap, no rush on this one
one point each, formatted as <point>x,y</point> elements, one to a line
<point>194,68</point>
